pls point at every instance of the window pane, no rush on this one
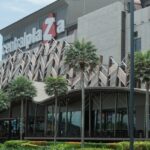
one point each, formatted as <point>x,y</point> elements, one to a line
<point>137,44</point>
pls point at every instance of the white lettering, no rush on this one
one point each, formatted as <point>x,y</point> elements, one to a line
<point>60,26</point>
<point>38,35</point>
<point>21,42</point>
<point>24,39</point>
<point>28,40</point>
<point>49,22</point>
<point>15,44</point>
<point>34,37</point>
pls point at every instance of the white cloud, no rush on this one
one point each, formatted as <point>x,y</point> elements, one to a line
<point>16,9</point>
<point>41,2</point>
<point>12,7</point>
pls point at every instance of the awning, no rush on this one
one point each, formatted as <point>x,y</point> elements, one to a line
<point>43,97</point>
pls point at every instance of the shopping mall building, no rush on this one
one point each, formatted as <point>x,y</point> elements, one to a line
<point>34,47</point>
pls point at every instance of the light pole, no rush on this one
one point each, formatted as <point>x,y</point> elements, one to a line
<point>131,98</point>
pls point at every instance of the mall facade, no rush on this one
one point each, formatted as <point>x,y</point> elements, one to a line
<point>34,47</point>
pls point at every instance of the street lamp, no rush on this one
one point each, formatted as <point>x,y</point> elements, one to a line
<point>131,98</point>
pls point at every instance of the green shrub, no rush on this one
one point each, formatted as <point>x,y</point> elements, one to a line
<point>39,143</point>
<point>94,149</point>
<point>125,145</point>
<point>115,146</point>
<point>148,144</point>
<point>140,146</point>
<point>59,147</point>
<point>44,145</point>
<point>1,146</point>
<point>64,146</point>
<point>95,145</point>
<point>29,146</point>
<point>14,144</point>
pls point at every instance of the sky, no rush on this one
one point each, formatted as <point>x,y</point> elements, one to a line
<point>13,10</point>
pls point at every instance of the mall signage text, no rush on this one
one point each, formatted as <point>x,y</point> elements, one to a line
<point>50,28</point>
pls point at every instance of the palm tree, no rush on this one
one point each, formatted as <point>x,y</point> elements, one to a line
<point>81,55</point>
<point>4,101</point>
<point>21,89</point>
<point>142,73</point>
<point>55,86</point>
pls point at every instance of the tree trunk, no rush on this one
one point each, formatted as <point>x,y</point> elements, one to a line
<point>26,118</point>
<point>45,120</point>
<point>10,115</point>
<point>127,103</point>
<point>100,112</point>
<point>115,124</point>
<point>55,125</point>
<point>147,111</point>
<point>35,115</point>
<point>90,111</point>
<point>21,121</point>
<point>83,109</point>
<point>66,123</point>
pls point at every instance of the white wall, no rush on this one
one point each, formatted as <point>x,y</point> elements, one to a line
<point>103,28</point>
<point>142,25</point>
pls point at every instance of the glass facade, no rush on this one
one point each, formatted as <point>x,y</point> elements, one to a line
<point>98,123</point>
<point>115,124</point>
<point>69,123</point>
<point>9,128</point>
<point>103,120</point>
<point>50,121</point>
<point>35,120</point>
<point>108,123</point>
<point>74,123</point>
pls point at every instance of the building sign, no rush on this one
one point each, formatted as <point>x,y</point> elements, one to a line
<point>50,28</point>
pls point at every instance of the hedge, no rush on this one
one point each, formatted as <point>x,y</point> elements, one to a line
<point>44,145</point>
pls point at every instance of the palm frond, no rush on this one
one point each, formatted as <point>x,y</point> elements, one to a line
<point>21,88</point>
<point>142,66</point>
<point>81,53</point>
<point>4,100</point>
<point>55,85</point>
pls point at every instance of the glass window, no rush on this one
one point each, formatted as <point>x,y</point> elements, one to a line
<point>137,44</point>
<point>122,120</point>
<point>9,128</point>
<point>108,119</point>
<point>74,123</point>
<point>50,120</point>
<point>108,123</point>
<point>75,118</point>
